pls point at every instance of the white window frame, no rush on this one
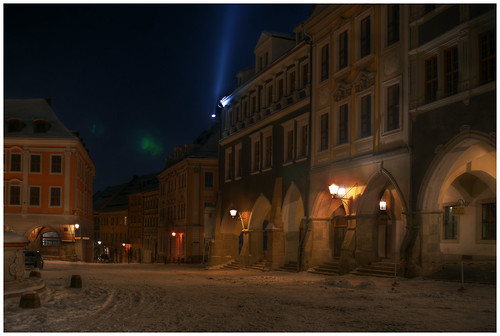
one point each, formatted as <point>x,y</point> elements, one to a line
<point>346,101</point>
<point>62,164</point>
<point>39,196</point>
<point>31,156</point>
<point>20,162</point>
<point>20,195</point>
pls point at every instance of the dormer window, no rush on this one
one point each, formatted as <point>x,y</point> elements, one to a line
<point>41,126</point>
<point>15,125</point>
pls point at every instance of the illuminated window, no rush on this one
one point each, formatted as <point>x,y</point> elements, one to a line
<point>15,162</point>
<point>324,132</point>
<point>450,225</point>
<point>15,195</point>
<point>56,164</point>
<point>431,79</point>
<point>35,163</point>
<point>325,61</point>
<point>392,24</point>
<point>451,71</point>
<point>34,196</point>
<point>488,221</point>
<point>487,56</point>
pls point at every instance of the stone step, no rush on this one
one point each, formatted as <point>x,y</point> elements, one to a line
<point>291,266</point>
<point>383,269</point>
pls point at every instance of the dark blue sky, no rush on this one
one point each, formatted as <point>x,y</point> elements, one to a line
<point>134,80</point>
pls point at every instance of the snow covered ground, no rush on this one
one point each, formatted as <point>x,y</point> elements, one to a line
<point>180,298</point>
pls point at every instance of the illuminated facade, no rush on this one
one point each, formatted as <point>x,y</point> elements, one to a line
<point>187,200</point>
<point>360,134</point>
<point>264,156</point>
<point>48,181</point>
<point>453,110</point>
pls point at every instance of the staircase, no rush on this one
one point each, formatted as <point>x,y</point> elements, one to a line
<point>291,266</point>
<point>381,269</point>
<point>233,265</point>
<point>262,266</point>
<point>328,268</point>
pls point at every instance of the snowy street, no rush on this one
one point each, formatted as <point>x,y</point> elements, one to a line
<point>182,298</point>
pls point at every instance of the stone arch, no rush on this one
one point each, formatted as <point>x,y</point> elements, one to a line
<point>254,245</point>
<point>324,206</point>
<point>463,169</point>
<point>259,212</point>
<point>380,233</point>
<point>292,215</point>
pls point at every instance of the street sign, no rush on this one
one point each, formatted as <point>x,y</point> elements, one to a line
<point>458,211</point>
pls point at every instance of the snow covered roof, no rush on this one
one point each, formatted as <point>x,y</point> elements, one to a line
<point>32,118</point>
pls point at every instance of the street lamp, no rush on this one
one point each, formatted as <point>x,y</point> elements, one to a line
<point>339,192</point>
<point>236,214</point>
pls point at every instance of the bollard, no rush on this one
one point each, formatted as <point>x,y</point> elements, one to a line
<point>29,300</point>
<point>462,288</point>
<point>76,281</point>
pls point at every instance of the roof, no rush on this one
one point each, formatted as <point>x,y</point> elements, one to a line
<point>28,111</point>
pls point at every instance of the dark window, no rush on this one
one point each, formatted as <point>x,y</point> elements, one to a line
<point>56,164</point>
<point>392,107</point>
<point>209,180</point>
<point>41,126</point>
<point>450,225</point>
<point>269,95</point>
<point>305,74</point>
<point>229,173</point>
<point>343,54</point>
<point>365,37</point>
<point>487,56</point>
<point>269,151</point>
<point>35,163</point>
<point>451,71</point>
<point>304,140</point>
<point>289,147</point>
<point>366,116</point>
<point>488,221</point>
<point>325,62</point>
<point>392,24</point>
<point>280,88</point>
<point>15,162</point>
<point>343,124</point>
<point>55,196</point>
<point>256,156</point>
<point>324,132</point>
<point>15,125</point>
<point>292,81</point>
<point>431,79</point>
<point>15,195</point>
<point>35,196</point>
<point>239,168</point>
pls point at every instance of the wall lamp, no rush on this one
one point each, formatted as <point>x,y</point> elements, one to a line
<point>236,214</point>
<point>339,192</point>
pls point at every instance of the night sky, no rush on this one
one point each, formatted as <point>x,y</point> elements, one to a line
<point>134,80</point>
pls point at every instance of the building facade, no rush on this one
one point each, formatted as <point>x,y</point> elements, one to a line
<point>452,62</point>
<point>264,156</point>
<point>188,191</point>
<point>48,181</point>
<point>360,130</point>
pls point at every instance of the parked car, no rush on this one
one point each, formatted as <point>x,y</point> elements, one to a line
<point>33,259</point>
<point>103,258</point>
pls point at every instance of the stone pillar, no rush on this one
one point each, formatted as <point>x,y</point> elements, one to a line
<point>320,237</point>
<point>366,239</point>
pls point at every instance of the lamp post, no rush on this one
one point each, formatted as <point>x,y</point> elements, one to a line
<point>246,236</point>
<point>77,226</point>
